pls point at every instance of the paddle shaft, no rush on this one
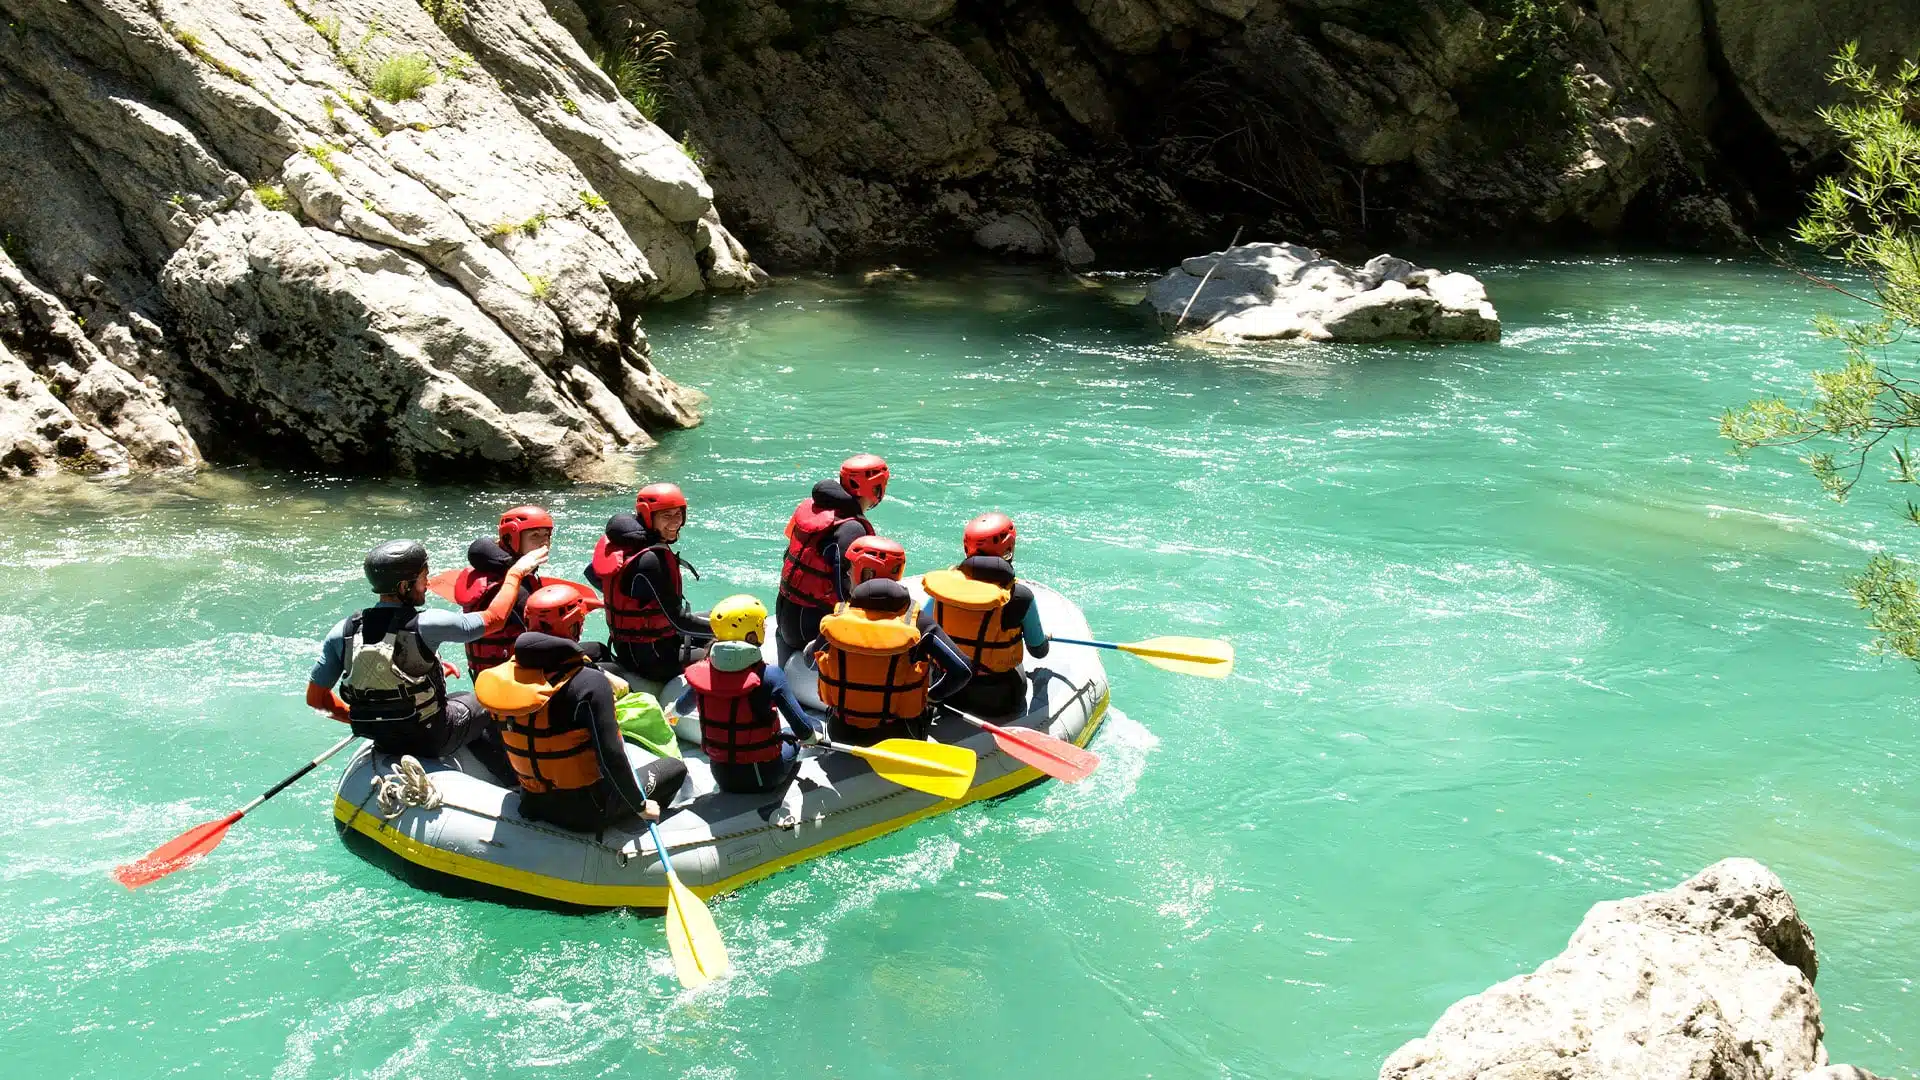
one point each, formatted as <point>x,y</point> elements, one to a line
<point>660,849</point>
<point>289,781</point>
<point>1137,650</point>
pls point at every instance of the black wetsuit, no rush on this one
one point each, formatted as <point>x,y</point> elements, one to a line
<point>646,578</point>
<point>587,698</point>
<point>795,623</point>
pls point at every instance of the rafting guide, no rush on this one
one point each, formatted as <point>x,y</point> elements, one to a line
<point>656,770</point>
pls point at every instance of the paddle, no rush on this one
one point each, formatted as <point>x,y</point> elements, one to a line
<point>1205,657</point>
<point>699,956</point>
<point>177,853</point>
<point>441,584</point>
<point>1056,757</point>
<point>935,768</point>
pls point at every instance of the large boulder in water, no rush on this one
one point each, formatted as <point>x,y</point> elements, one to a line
<point>1711,978</point>
<point>1277,292</point>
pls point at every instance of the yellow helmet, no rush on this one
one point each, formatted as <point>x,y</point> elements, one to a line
<point>739,618</point>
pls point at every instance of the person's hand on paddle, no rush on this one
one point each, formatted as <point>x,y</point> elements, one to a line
<point>323,699</point>
<point>815,737</point>
<point>650,810</point>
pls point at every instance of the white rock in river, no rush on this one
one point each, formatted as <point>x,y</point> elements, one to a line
<point>1711,978</point>
<point>1275,292</point>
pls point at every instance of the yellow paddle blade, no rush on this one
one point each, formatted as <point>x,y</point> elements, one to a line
<point>935,768</point>
<point>699,957</point>
<point>1205,657</point>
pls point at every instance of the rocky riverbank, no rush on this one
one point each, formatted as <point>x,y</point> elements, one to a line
<point>418,236</point>
<point>1711,978</point>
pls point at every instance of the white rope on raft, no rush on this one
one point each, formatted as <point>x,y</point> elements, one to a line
<point>408,785</point>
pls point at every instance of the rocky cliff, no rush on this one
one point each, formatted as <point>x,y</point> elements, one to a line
<point>370,235</point>
<point>417,236</point>
<point>1711,978</point>
<point>855,129</point>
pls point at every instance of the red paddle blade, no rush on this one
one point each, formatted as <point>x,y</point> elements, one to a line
<point>441,584</point>
<point>1057,758</point>
<point>175,854</point>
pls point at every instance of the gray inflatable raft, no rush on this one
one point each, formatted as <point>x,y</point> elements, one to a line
<point>718,841</point>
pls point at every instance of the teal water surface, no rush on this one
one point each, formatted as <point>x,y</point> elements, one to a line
<point>1515,634</point>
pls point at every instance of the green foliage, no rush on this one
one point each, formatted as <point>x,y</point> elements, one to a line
<point>529,227</point>
<point>328,28</point>
<point>449,15</point>
<point>460,66</point>
<point>592,201</point>
<point>323,153</point>
<point>569,106</point>
<point>692,150</point>
<point>273,197</point>
<point>193,43</point>
<point>541,285</point>
<point>635,70</point>
<point>1530,40</point>
<point>1869,220</point>
<point>402,77</point>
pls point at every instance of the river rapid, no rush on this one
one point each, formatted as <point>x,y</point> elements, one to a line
<point>1516,635</point>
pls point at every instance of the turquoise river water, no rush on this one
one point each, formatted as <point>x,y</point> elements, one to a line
<point>1516,635</point>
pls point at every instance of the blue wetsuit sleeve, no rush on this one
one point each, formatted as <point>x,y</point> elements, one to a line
<point>955,671</point>
<point>333,657</point>
<point>688,702</point>
<point>799,719</point>
<point>439,628</point>
<point>926,613</point>
<point>1032,634</point>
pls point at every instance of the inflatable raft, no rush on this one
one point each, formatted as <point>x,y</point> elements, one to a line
<point>476,841</point>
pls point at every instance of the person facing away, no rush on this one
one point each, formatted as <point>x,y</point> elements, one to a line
<point>813,575</point>
<point>738,696</point>
<point>876,663</point>
<point>651,631</point>
<point>385,659</point>
<point>522,529</point>
<point>557,722</point>
<point>990,616</point>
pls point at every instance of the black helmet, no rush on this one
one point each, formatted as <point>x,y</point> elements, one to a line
<point>394,563</point>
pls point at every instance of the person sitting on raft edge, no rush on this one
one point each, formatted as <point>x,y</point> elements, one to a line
<point>521,530</point>
<point>385,658</point>
<point>562,737</point>
<point>651,631</point>
<point>737,694</point>
<point>989,615</point>
<point>875,663</point>
<point>813,575</point>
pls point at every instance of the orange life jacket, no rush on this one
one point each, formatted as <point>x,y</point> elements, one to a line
<point>868,676</point>
<point>631,621</point>
<point>732,730</point>
<point>806,577</point>
<point>473,591</point>
<point>548,753</point>
<point>970,612</point>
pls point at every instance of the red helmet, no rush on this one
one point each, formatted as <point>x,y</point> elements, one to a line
<point>657,497</point>
<point>865,474</point>
<point>989,534</point>
<point>559,609</point>
<point>884,557</point>
<point>518,520</point>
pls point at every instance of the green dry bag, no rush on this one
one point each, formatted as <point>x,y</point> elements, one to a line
<point>642,721</point>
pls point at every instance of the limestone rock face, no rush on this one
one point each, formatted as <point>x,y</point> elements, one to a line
<point>1712,978</point>
<point>881,129</point>
<point>1282,292</point>
<point>338,232</point>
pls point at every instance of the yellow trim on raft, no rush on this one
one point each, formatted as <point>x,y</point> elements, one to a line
<point>648,896</point>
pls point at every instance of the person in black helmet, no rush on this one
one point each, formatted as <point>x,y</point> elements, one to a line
<point>385,660</point>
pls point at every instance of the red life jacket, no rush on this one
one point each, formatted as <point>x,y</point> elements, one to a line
<point>473,590</point>
<point>631,621</point>
<point>732,731</point>
<point>806,578</point>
